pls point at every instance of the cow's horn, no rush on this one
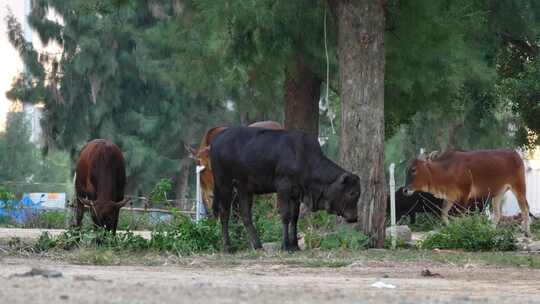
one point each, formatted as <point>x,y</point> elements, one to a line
<point>433,155</point>
<point>122,203</point>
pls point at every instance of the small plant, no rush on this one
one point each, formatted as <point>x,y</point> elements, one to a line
<point>160,191</point>
<point>424,222</point>
<point>184,237</point>
<point>6,195</point>
<point>535,228</point>
<point>319,221</point>
<point>321,231</point>
<point>267,221</point>
<point>472,233</point>
<point>343,238</point>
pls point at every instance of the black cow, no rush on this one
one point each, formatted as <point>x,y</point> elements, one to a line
<point>291,163</point>
<point>419,202</point>
<point>423,202</point>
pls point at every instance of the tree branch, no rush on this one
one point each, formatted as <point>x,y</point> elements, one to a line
<point>522,44</point>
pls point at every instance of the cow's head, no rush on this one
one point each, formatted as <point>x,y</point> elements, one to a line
<point>201,156</point>
<point>418,176</point>
<point>342,197</point>
<point>104,213</point>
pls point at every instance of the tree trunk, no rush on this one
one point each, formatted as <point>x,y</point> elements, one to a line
<point>183,177</point>
<point>452,136</point>
<point>361,71</point>
<point>182,187</point>
<point>302,93</point>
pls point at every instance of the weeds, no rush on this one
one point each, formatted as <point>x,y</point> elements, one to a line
<point>472,233</point>
<point>6,195</point>
<point>322,231</point>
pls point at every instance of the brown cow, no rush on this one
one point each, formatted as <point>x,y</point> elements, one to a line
<point>99,183</point>
<point>202,156</point>
<point>462,176</point>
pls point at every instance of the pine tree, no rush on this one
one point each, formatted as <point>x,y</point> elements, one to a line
<point>101,87</point>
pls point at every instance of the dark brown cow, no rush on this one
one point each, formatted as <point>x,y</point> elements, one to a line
<point>202,156</point>
<point>463,176</point>
<point>99,183</point>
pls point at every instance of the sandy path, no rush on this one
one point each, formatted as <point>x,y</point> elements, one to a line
<point>33,234</point>
<point>200,283</point>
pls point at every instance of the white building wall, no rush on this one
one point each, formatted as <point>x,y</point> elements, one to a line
<point>532,176</point>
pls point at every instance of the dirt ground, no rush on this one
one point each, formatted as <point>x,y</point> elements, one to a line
<point>262,283</point>
<point>259,279</point>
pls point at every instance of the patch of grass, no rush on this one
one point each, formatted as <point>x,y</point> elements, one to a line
<point>6,195</point>
<point>181,236</point>
<point>47,219</point>
<point>472,233</point>
<point>426,222</point>
<point>138,221</point>
<point>535,229</point>
<point>322,231</point>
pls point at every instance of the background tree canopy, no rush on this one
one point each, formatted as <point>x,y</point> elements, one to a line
<point>154,75</point>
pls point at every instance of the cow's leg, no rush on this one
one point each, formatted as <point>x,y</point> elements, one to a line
<point>496,207</point>
<point>222,201</point>
<point>78,213</point>
<point>284,211</point>
<point>447,205</point>
<point>413,217</point>
<point>295,212</point>
<point>524,207</point>
<point>246,201</point>
<point>114,224</point>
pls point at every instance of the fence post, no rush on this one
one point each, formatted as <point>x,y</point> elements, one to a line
<point>393,205</point>
<point>199,209</point>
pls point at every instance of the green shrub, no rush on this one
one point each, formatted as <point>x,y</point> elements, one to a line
<point>184,236</point>
<point>160,191</point>
<point>89,237</point>
<point>181,237</point>
<point>472,233</point>
<point>267,221</point>
<point>321,231</point>
<point>425,222</point>
<point>6,195</point>
<point>345,239</point>
<point>320,220</point>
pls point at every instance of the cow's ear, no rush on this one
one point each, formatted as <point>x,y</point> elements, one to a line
<point>191,152</point>
<point>344,178</point>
